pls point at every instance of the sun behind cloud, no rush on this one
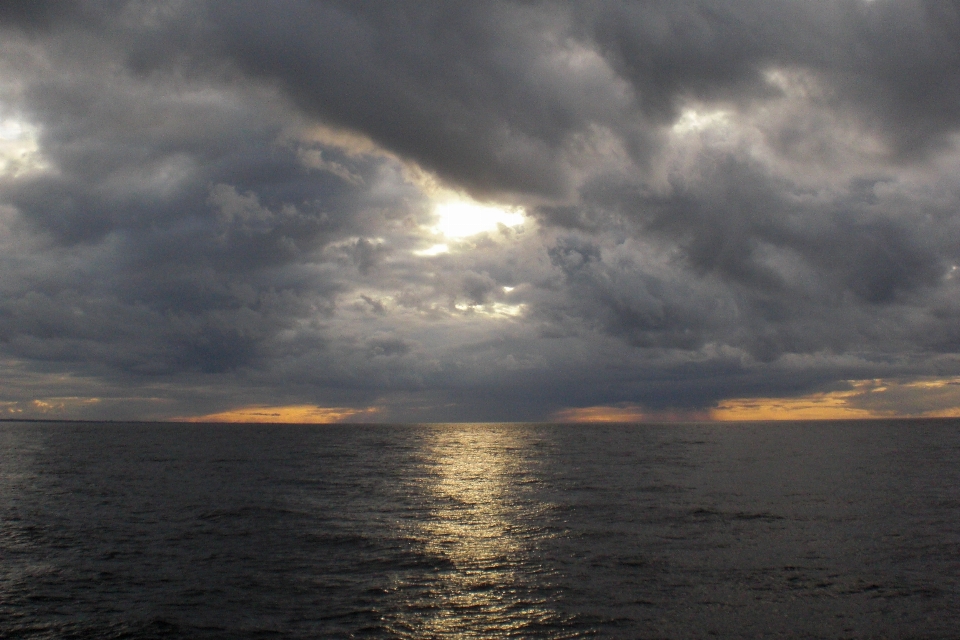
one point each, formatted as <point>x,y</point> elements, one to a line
<point>461,219</point>
<point>458,218</point>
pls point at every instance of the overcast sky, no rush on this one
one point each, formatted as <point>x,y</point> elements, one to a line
<point>443,211</point>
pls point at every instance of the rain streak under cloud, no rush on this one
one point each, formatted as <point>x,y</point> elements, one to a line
<point>443,211</point>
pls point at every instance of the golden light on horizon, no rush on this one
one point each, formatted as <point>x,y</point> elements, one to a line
<point>864,399</point>
<point>872,398</point>
<point>288,414</point>
<point>627,413</point>
<point>821,406</point>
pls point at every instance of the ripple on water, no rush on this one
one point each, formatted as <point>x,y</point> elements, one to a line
<point>478,531</point>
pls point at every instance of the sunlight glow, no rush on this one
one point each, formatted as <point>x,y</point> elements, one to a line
<point>61,404</point>
<point>19,150</point>
<point>493,309</point>
<point>873,398</point>
<point>435,250</point>
<point>820,406</point>
<point>625,413</point>
<point>462,219</point>
<point>294,414</point>
<point>692,120</point>
<point>479,527</point>
<point>507,309</point>
<point>628,412</point>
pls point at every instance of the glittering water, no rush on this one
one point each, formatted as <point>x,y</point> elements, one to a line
<point>833,530</point>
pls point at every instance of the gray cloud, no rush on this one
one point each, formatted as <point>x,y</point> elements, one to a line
<point>228,203</point>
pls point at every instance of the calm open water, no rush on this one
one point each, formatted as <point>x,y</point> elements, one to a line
<point>807,530</point>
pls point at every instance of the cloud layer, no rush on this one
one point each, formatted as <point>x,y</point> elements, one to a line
<point>213,206</point>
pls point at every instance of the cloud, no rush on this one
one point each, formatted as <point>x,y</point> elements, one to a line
<point>206,207</point>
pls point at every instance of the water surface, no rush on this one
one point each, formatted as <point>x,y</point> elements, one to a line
<point>812,530</point>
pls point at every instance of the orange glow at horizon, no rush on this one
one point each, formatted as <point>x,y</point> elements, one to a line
<point>864,399</point>
<point>820,406</point>
<point>873,398</point>
<point>628,413</point>
<point>293,414</point>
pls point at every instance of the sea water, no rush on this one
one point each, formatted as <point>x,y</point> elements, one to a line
<point>806,530</point>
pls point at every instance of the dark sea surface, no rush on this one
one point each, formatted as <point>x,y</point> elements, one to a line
<point>804,530</point>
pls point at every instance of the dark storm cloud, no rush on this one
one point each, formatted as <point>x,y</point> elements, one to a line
<point>495,96</point>
<point>188,215</point>
<point>449,85</point>
<point>33,16</point>
<point>893,62</point>
<point>732,197</point>
<point>788,270</point>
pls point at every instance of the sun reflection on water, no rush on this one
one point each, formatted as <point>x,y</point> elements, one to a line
<point>480,525</point>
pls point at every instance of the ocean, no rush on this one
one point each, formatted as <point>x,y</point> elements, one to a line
<point>750,530</point>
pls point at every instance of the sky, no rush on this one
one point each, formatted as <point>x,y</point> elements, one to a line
<point>457,211</point>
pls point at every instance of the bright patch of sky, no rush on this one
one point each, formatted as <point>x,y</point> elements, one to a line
<point>692,120</point>
<point>494,309</point>
<point>434,250</point>
<point>19,152</point>
<point>462,219</point>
